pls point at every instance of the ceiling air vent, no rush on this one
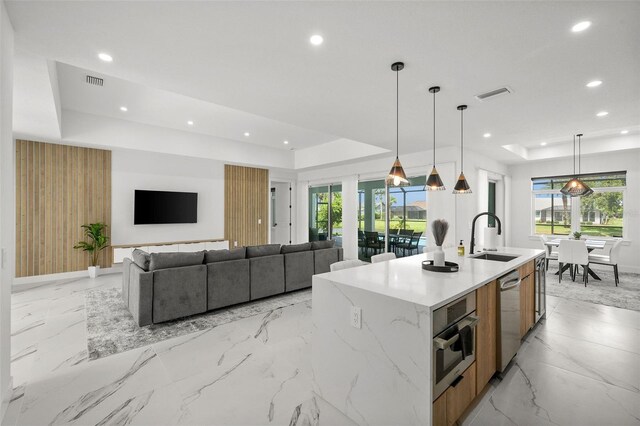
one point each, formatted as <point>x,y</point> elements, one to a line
<point>492,94</point>
<point>96,81</point>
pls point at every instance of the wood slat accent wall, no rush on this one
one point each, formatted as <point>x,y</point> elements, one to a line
<point>246,201</point>
<point>58,189</point>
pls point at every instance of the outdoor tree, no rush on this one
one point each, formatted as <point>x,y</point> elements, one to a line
<point>336,211</point>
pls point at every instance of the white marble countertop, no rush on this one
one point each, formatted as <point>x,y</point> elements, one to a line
<point>405,279</point>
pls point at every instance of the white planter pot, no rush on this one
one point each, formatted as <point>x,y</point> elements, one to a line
<point>94,271</point>
<point>438,256</point>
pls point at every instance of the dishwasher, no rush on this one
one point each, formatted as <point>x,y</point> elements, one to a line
<point>509,286</point>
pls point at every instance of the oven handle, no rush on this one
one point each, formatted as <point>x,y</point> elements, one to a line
<point>440,343</point>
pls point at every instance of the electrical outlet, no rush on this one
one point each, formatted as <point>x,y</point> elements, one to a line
<point>356,317</point>
<point>235,244</point>
<point>259,221</point>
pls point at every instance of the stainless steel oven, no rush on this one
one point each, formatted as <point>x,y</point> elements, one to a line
<point>450,359</point>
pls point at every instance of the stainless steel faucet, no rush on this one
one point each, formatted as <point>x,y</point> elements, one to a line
<point>473,227</point>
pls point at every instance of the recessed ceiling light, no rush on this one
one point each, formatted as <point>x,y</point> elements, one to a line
<point>543,143</point>
<point>286,142</point>
<point>624,132</point>
<point>247,134</point>
<point>105,57</point>
<point>316,40</point>
<point>190,123</point>
<point>124,109</point>
<point>486,135</point>
<point>594,83</point>
<point>581,26</point>
<point>602,113</point>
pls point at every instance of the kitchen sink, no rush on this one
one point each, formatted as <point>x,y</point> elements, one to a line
<point>494,256</point>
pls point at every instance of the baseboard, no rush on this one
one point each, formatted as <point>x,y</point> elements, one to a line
<point>25,283</point>
<point>4,404</point>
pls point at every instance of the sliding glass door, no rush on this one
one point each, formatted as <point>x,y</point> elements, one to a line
<point>407,213</point>
<point>325,213</point>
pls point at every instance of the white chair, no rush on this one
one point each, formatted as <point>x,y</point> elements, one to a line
<point>550,252</point>
<point>574,253</point>
<point>610,259</point>
<point>346,264</point>
<point>382,257</point>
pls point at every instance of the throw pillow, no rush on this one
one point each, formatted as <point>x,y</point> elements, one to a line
<point>175,260</point>
<point>141,258</point>
<point>213,256</point>
<point>319,245</point>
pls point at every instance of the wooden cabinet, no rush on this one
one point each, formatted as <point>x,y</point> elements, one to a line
<point>486,333</point>
<point>440,411</point>
<point>454,401</point>
<point>527,304</point>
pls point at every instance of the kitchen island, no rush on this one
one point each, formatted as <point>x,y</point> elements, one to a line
<point>373,350</point>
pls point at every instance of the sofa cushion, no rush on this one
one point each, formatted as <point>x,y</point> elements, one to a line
<point>179,292</point>
<point>263,250</point>
<point>141,258</point>
<point>267,276</point>
<point>319,245</point>
<point>228,283</point>
<point>324,258</point>
<point>224,255</point>
<point>298,270</point>
<point>294,248</point>
<point>175,260</point>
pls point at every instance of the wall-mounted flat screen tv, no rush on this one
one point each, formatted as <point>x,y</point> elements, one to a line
<point>156,207</point>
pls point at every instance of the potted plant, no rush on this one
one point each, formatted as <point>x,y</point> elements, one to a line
<point>95,242</point>
<point>439,228</point>
<point>577,235</point>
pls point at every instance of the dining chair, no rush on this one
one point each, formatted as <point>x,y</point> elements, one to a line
<point>346,264</point>
<point>411,244</point>
<point>362,241</point>
<point>404,236</point>
<point>573,253</point>
<point>382,257</point>
<point>610,259</point>
<point>550,252</point>
<point>372,241</point>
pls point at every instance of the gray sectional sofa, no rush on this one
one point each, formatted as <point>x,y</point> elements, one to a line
<point>158,287</point>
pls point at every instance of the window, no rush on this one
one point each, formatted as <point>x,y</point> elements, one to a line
<point>599,214</point>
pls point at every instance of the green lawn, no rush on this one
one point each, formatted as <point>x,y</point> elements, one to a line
<point>613,230</point>
<point>415,225</point>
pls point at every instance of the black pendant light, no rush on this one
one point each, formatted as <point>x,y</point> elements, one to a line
<point>434,183</point>
<point>462,187</point>
<point>575,187</point>
<point>397,176</point>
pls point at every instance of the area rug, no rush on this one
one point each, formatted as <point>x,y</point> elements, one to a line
<point>605,292</point>
<point>111,328</point>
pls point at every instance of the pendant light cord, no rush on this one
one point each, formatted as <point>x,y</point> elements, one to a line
<point>462,141</point>
<point>397,114</point>
<point>434,129</point>
<point>574,155</point>
<point>579,154</point>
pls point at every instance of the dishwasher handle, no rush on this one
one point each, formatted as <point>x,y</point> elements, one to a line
<point>511,284</point>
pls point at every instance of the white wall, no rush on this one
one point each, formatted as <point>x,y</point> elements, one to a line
<point>521,174</point>
<point>459,210</point>
<point>7,210</point>
<point>147,170</point>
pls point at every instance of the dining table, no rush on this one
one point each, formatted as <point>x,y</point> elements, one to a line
<point>591,245</point>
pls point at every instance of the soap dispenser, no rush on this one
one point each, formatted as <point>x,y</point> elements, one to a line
<point>461,249</point>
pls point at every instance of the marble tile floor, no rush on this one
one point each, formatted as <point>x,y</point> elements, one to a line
<point>580,366</point>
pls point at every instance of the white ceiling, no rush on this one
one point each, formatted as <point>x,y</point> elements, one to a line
<point>255,57</point>
<point>167,109</point>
